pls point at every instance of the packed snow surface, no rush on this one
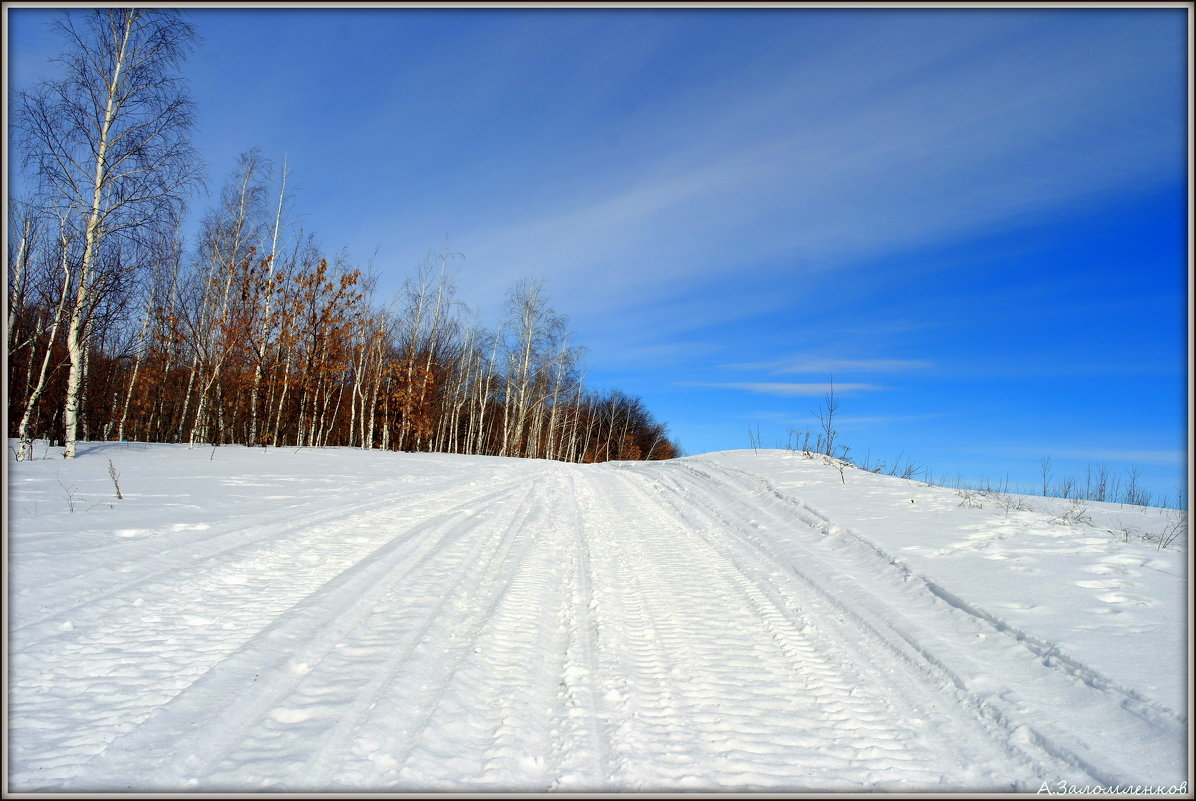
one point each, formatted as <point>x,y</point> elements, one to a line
<point>342,620</point>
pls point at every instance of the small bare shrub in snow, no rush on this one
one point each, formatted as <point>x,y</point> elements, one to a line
<point>1177,526</point>
<point>1008,501</point>
<point>754,439</point>
<point>1128,533</point>
<point>970,499</point>
<point>115,482</point>
<point>839,464</point>
<point>70,494</point>
<point>826,419</point>
<point>1077,512</point>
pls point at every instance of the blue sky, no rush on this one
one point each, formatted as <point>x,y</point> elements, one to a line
<point>972,220</point>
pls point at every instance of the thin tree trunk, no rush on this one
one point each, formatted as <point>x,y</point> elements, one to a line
<point>149,310</point>
<point>17,290</point>
<point>265,327</point>
<point>25,449</point>
<point>282,399</point>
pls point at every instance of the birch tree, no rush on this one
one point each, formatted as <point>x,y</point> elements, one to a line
<point>226,245</point>
<point>110,140</point>
<point>49,332</point>
<point>262,343</point>
<point>531,330</point>
<point>163,267</point>
<point>25,226</point>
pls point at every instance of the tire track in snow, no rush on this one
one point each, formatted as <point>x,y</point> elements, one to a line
<point>521,709</point>
<point>366,724</point>
<point>394,645</point>
<point>424,735</point>
<point>1047,651</point>
<point>810,631</point>
<point>465,707</point>
<point>515,666</point>
<point>195,553</point>
<point>1030,731</point>
<point>836,586</point>
<point>509,686</point>
<point>806,702</point>
<point>585,762</point>
<point>641,693</point>
<point>190,622</point>
<point>188,736</point>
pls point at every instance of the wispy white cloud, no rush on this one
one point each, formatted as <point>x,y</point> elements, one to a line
<point>1095,455</point>
<point>886,419</point>
<point>821,364</point>
<point>788,418</point>
<point>784,389</point>
<point>1168,457</point>
<point>969,131</point>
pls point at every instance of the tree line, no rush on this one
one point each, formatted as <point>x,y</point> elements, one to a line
<point>253,335</point>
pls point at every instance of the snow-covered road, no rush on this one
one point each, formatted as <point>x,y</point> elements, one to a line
<point>478,624</point>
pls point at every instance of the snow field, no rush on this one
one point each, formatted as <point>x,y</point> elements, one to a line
<point>339,620</point>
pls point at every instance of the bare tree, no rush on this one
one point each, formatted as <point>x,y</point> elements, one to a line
<point>826,418</point>
<point>26,218</point>
<point>1044,468</point>
<point>268,302</point>
<point>417,292</point>
<point>226,242</point>
<point>165,264</point>
<point>36,387</point>
<point>110,142</point>
<point>563,378</point>
<point>533,331</point>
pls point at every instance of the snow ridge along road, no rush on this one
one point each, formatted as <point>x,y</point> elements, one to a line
<point>340,621</point>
